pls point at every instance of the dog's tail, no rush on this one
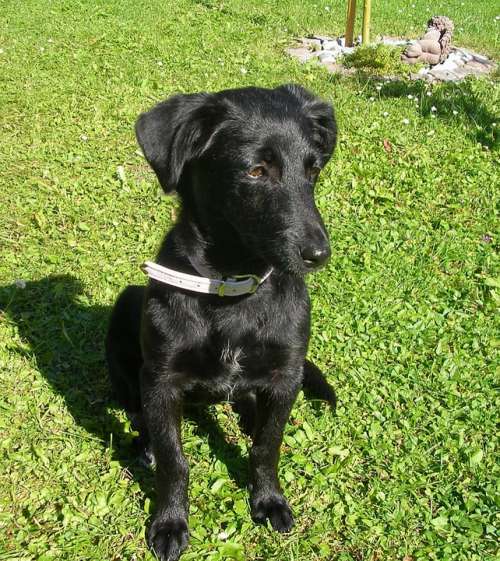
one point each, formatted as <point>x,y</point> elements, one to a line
<point>315,385</point>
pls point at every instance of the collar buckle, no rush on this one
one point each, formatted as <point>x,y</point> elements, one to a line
<point>257,281</point>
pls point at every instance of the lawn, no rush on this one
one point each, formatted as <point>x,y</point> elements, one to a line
<point>405,316</point>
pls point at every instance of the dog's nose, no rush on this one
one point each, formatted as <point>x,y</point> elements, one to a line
<point>315,256</point>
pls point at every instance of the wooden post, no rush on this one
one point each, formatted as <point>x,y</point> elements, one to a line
<point>351,16</point>
<point>367,12</point>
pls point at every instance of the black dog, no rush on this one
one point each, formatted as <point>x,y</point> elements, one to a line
<point>244,163</point>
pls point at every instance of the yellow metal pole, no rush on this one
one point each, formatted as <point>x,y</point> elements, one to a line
<point>351,16</point>
<point>367,12</point>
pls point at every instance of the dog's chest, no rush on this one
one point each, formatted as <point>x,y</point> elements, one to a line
<point>230,359</point>
<point>227,366</point>
<point>230,370</point>
<point>221,367</point>
<point>242,347</point>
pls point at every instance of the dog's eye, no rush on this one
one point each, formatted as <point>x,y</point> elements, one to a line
<point>257,171</point>
<point>314,172</point>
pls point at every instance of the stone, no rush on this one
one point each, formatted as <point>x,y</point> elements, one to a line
<point>477,67</point>
<point>303,54</point>
<point>481,58</point>
<point>314,44</point>
<point>330,46</point>
<point>464,55</point>
<point>327,56</point>
<point>448,65</point>
<point>462,72</point>
<point>443,75</point>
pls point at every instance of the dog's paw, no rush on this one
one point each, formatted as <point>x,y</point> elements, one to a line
<point>168,538</point>
<point>275,509</point>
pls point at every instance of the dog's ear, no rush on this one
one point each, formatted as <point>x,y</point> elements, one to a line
<point>177,131</point>
<point>322,117</point>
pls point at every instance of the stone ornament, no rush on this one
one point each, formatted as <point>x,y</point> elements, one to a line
<point>434,47</point>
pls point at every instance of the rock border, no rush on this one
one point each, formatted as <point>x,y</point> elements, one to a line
<point>460,63</point>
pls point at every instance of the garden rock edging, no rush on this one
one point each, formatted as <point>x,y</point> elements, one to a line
<point>327,51</point>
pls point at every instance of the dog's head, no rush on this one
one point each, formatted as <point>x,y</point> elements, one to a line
<point>247,160</point>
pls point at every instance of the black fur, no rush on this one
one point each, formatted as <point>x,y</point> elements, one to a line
<point>244,163</point>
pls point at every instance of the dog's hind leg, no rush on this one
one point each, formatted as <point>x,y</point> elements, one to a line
<point>315,385</point>
<point>124,357</point>
<point>245,406</point>
<point>141,445</point>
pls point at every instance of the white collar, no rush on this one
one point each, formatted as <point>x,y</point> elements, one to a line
<point>222,287</point>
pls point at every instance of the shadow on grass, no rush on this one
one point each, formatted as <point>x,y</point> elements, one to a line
<point>456,102</point>
<point>66,335</point>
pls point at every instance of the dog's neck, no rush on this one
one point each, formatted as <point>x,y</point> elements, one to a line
<point>213,252</point>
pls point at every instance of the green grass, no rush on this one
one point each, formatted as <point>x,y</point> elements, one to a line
<point>405,315</point>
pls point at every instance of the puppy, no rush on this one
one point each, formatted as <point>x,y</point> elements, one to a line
<point>244,163</point>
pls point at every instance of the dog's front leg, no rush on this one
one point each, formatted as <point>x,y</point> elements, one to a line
<point>266,498</point>
<point>162,406</point>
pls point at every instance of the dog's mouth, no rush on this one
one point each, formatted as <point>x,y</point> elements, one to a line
<point>283,249</point>
<point>311,265</point>
<point>287,258</point>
